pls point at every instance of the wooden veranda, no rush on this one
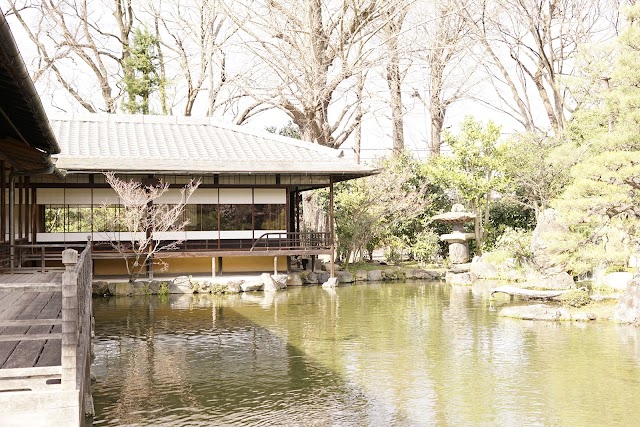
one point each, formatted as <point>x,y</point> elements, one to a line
<point>45,344</point>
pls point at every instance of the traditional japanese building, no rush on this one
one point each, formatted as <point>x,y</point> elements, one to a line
<point>245,212</point>
<point>26,145</point>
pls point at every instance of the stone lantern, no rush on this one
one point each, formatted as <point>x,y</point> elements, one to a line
<point>458,240</point>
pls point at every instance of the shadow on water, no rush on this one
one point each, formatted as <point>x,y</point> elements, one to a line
<point>183,360</point>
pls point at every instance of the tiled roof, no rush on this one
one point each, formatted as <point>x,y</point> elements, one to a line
<point>102,142</point>
<point>21,105</point>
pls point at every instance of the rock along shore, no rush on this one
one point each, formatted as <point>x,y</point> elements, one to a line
<point>264,282</point>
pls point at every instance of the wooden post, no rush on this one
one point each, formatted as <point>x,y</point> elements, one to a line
<point>332,228</point>
<point>27,208</point>
<point>275,265</point>
<point>69,319</point>
<point>298,202</point>
<point>213,266</point>
<point>34,216</point>
<point>3,196</point>
<point>20,203</point>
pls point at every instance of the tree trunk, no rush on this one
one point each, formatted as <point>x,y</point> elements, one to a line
<point>437,113</point>
<point>357,139</point>
<point>436,108</point>
<point>477,225</point>
<point>394,79</point>
<point>314,219</point>
<point>163,71</point>
<point>395,97</point>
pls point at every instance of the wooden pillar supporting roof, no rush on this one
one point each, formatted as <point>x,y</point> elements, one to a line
<point>332,228</point>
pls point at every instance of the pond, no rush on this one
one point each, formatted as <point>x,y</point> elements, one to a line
<point>364,355</point>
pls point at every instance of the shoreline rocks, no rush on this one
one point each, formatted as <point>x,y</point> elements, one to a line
<point>265,281</point>
<point>545,312</point>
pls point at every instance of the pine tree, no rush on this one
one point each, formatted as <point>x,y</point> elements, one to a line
<point>143,78</point>
<point>602,205</point>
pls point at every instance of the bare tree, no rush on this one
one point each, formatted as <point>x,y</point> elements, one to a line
<point>142,218</point>
<point>450,69</point>
<point>392,32</point>
<point>75,44</point>
<point>441,65</point>
<point>306,58</point>
<point>530,46</point>
<point>357,135</point>
<point>193,34</point>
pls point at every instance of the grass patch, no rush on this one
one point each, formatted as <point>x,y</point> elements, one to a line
<point>605,290</point>
<point>603,310</point>
<point>496,257</point>
<point>164,289</point>
<point>575,298</point>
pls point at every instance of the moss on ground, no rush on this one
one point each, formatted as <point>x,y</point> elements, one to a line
<point>603,310</point>
<point>406,265</point>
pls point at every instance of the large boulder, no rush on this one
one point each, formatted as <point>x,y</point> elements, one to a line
<point>436,274</point>
<point>628,308</point>
<point>484,270</point>
<point>100,288</point>
<point>361,275</point>
<point>181,285</point>
<point>234,287</point>
<point>205,287</point>
<point>394,274</point>
<point>461,268</point>
<point>541,259</point>
<point>252,285</point>
<point>331,283</point>
<point>323,276</point>
<point>295,279</point>
<point>268,284</point>
<point>310,278</point>
<point>421,274</point>
<point>153,287</point>
<point>374,275</point>
<point>345,277</point>
<point>123,289</point>
<point>280,280</point>
<point>460,278</point>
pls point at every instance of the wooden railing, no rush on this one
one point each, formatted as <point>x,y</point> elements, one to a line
<point>76,322</point>
<point>47,255</point>
<point>73,373</point>
<point>292,240</point>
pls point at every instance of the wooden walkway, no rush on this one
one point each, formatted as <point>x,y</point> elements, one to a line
<point>32,314</point>
<point>45,345</point>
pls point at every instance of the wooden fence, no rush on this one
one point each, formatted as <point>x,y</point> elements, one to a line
<point>55,395</point>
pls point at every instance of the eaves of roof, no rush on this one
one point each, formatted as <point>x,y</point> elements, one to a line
<point>19,102</point>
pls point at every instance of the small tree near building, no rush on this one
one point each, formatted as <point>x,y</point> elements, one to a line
<point>142,218</point>
<point>474,170</point>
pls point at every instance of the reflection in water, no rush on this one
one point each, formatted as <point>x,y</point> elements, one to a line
<point>387,354</point>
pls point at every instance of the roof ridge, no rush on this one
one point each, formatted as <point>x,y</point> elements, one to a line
<point>189,120</point>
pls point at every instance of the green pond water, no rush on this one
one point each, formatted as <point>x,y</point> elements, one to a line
<point>397,354</point>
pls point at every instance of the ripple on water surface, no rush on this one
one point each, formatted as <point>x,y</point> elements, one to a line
<point>398,354</point>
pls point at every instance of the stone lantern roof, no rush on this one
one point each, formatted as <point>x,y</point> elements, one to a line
<point>456,216</point>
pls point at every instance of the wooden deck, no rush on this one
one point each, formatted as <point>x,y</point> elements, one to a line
<point>28,315</point>
<point>45,345</point>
